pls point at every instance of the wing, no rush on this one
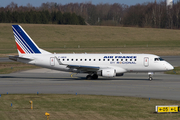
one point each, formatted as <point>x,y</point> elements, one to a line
<point>80,67</point>
<point>84,68</point>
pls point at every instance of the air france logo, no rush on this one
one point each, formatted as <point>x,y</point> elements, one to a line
<point>120,57</point>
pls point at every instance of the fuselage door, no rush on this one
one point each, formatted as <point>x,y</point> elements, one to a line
<point>146,61</point>
<point>52,61</point>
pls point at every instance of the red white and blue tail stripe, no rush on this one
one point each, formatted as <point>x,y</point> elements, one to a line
<point>25,44</point>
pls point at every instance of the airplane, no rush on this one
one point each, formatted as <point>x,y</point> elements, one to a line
<point>105,65</point>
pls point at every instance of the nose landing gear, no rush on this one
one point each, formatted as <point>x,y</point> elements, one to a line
<point>150,76</point>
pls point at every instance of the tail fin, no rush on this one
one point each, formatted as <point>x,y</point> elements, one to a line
<point>25,44</point>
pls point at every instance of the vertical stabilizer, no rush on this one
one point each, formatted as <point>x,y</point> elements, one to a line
<point>24,43</point>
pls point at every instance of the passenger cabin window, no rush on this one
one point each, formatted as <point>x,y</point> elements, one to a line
<point>112,59</point>
<point>103,59</point>
<point>130,59</point>
<point>134,59</point>
<point>85,59</point>
<point>67,59</point>
<point>76,59</point>
<point>80,59</point>
<point>94,59</point>
<point>99,59</point>
<point>117,59</point>
<point>126,59</point>
<point>71,59</point>
<point>121,59</point>
<point>108,59</point>
<point>89,59</point>
<point>63,59</point>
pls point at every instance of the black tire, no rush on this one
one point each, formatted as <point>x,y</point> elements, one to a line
<point>88,77</point>
<point>95,76</point>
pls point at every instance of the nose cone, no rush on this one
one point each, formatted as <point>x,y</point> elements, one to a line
<point>169,67</point>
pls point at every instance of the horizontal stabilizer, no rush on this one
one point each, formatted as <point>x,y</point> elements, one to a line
<point>17,57</point>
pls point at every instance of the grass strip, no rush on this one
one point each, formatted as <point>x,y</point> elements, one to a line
<point>176,71</point>
<point>78,107</point>
<point>94,39</point>
<point>10,67</point>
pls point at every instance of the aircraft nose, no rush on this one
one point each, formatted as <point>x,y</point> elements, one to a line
<point>169,67</point>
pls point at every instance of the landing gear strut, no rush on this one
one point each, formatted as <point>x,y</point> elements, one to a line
<point>94,76</point>
<point>150,75</point>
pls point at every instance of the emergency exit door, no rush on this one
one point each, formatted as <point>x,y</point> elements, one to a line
<point>146,61</point>
<point>52,61</point>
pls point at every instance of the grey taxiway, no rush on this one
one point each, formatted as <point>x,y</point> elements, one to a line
<point>47,81</point>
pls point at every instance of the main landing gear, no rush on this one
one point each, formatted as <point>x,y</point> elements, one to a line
<point>150,76</point>
<point>90,77</point>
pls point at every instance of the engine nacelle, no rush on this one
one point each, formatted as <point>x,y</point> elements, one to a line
<point>108,73</point>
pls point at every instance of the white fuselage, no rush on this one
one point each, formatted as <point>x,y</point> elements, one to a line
<point>107,65</point>
<point>120,62</point>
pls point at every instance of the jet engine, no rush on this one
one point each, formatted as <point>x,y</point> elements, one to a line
<point>108,73</point>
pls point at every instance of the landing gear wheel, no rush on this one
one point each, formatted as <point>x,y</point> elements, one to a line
<point>150,78</point>
<point>94,76</point>
<point>88,77</point>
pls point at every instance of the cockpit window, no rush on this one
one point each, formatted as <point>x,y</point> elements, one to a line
<point>161,59</point>
<point>158,59</point>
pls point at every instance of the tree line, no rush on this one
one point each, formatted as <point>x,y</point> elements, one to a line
<point>40,17</point>
<point>149,14</point>
<point>156,15</point>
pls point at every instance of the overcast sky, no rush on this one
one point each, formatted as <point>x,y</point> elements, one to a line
<point>37,3</point>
